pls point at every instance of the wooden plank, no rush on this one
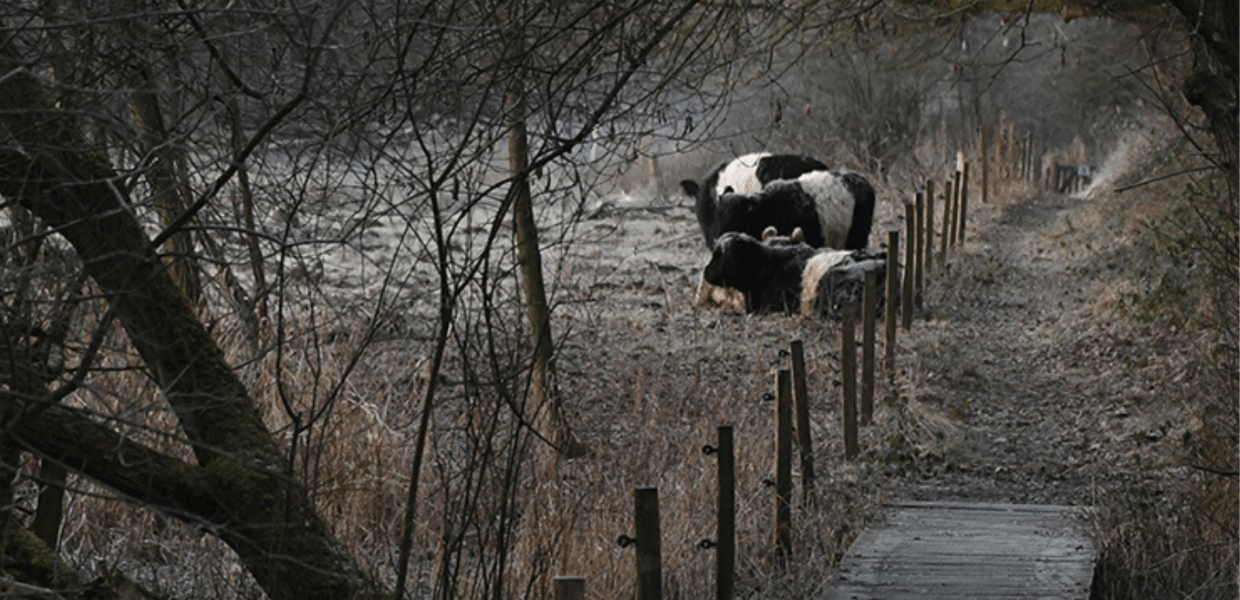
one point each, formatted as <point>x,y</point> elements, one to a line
<point>969,550</point>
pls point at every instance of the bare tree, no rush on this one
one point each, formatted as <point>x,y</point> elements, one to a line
<point>125,131</point>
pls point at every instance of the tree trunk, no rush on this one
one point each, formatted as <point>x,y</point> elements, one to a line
<point>549,412</point>
<point>237,488</point>
<point>246,197</point>
<point>1215,28</point>
<point>165,174</point>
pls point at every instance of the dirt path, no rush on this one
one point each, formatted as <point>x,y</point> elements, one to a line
<point>1046,405</point>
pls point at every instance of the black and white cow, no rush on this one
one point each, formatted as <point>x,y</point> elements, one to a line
<point>744,175</point>
<point>835,210</point>
<point>792,277</point>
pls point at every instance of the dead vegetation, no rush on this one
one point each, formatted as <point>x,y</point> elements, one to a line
<point>1028,378</point>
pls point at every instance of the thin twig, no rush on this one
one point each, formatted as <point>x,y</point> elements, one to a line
<point>1121,190</point>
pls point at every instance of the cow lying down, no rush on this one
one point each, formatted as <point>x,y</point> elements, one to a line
<point>790,276</point>
<point>714,296</point>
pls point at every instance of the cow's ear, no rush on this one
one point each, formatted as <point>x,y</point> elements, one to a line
<point>690,187</point>
<point>769,233</point>
<point>797,235</point>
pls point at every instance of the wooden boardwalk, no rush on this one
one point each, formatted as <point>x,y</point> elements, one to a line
<point>929,550</point>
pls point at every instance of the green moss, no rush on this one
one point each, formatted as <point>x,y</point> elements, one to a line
<point>242,482</point>
<point>28,560</point>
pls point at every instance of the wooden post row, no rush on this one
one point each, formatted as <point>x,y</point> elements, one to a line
<point>649,544</point>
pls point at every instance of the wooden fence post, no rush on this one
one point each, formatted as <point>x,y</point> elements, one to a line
<point>783,468</point>
<point>947,219</point>
<point>649,544</point>
<point>893,295</point>
<point>906,298</point>
<point>929,226</point>
<point>964,199</point>
<point>800,396</point>
<point>725,551</point>
<point>950,226</point>
<point>1022,166</point>
<point>1031,175</point>
<point>570,587</point>
<point>848,370</point>
<point>981,132</point>
<point>870,299</point>
<point>919,256</point>
<point>1035,162</point>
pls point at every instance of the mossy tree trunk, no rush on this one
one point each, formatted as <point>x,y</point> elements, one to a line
<point>1215,27</point>
<point>236,486</point>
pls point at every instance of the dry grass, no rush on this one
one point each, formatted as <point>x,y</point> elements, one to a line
<point>646,391</point>
<point>645,381</point>
<point>1176,532</point>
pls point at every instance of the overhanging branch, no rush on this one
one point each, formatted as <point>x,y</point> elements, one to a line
<point>72,438</point>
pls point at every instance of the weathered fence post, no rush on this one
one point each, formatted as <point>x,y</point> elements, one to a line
<point>964,200</point>
<point>848,370</point>
<point>929,226</point>
<point>950,226</point>
<point>947,219</point>
<point>870,300</point>
<point>981,133</point>
<point>919,260</point>
<point>1011,150</point>
<point>725,548</point>
<point>800,396</point>
<point>1036,166</point>
<point>570,587</point>
<point>783,468</point>
<point>1022,168</point>
<point>649,544</point>
<point>893,295</point>
<point>906,298</point>
<point>1031,174</point>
